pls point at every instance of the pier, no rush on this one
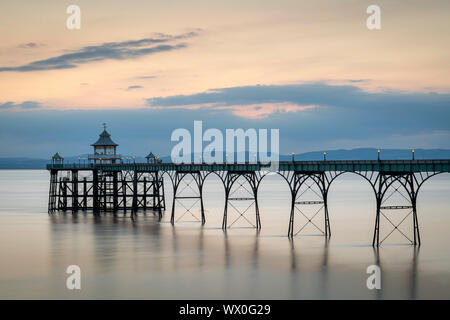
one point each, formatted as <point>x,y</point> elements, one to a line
<point>107,186</point>
<point>129,187</point>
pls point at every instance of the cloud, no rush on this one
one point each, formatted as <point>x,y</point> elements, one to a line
<point>43,132</point>
<point>314,116</point>
<point>23,105</point>
<point>30,105</point>
<point>145,77</point>
<point>250,95</point>
<point>357,80</point>
<point>335,98</point>
<point>7,105</point>
<point>130,49</point>
<point>134,87</point>
<point>31,45</point>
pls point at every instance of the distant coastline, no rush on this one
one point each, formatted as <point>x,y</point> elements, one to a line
<point>341,154</point>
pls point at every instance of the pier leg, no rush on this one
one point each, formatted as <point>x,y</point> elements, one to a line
<point>327,221</point>
<point>95,199</point>
<point>251,195</point>
<point>135,193</point>
<point>115,192</point>
<point>163,196</point>
<point>144,196</point>
<point>158,185</point>
<point>64,195</point>
<point>104,193</point>
<point>52,196</point>
<point>60,206</point>
<point>387,182</point>
<point>124,193</point>
<point>182,195</point>
<point>258,218</point>
<point>413,196</point>
<point>294,189</point>
<point>175,188</point>
<point>225,211</point>
<point>155,189</point>
<point>416,226</point>
<point>74,190</point>
<point>202,208</point>
<point>376,233</point>
<point>320,181</point>
<point>172,216</point>
<point>324,185</point>
<point>85,194</point>
<point>291,216</point>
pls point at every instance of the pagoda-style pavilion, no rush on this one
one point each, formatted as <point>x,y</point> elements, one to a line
<point>105,150</point>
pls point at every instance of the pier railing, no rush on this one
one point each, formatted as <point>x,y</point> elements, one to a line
<point>298,166</point>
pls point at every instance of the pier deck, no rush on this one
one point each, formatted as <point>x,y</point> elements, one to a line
<point>300,166</point>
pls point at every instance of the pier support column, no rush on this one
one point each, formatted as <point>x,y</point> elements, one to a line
<point>195,193</point>
<point>202,208</point>
<point>162,193</point>
<point>387,185</point>
<point>75,190</point>
<point>63,197</point>
<point>115,192</point>
<point>307,181</point>
<point>124,192</point>
<point>85,194</point>
<point>144,196</point>
<point>95,198</point>
<point>53,189</point>
<point>230,180</point>
<point>135,194</point>
<point>158,191</point>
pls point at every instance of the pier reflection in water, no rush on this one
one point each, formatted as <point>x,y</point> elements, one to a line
<point>145,258</point>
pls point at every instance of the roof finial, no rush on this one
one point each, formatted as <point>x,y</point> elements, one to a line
<point>104,125</point>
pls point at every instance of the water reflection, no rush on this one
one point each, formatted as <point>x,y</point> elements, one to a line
<point>410,274</point>
<point>175,248</point>
<point>252,256</point>
<point>255,257</point>
<point>117,245</point>
<point>414,273</point>
<point>227,250</point>
<point>321,267</point>
<point>201,247</point>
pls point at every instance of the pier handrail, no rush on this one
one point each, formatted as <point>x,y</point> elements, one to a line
<point>429,165</point>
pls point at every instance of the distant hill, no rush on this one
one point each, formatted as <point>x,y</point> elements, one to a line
<point>22,163</point>
<point>353,154</point>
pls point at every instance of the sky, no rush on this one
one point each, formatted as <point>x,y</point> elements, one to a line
<point>311,69</point>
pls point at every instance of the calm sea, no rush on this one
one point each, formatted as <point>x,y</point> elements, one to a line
<point>151,259</point>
